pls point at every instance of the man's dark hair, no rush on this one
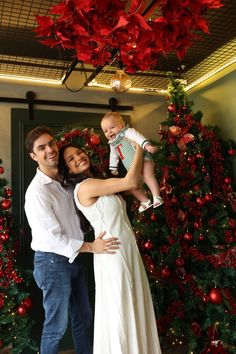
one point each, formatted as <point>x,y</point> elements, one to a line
<point>34,134</point>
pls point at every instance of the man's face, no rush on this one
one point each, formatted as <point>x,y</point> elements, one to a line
<point>45,151</point>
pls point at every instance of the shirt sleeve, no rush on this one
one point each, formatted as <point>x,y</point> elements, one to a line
<point>134,135</point>
<point>113,159</point>
<point>47,231</point>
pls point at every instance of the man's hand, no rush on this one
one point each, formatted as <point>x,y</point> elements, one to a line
<point>109,245</point>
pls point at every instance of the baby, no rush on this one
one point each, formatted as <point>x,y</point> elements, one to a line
<point>119,136</point>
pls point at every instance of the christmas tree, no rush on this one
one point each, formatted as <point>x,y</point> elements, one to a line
<point>15,302</point>
<point>189,244</point>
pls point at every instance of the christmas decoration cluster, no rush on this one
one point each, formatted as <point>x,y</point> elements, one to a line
<point>189,244</point>
<point>15,302</point>
<point>90,142</point>
<point>98,30</point>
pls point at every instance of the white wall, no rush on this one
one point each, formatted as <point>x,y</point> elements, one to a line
<point>149,109</point>
<point>216,100</point>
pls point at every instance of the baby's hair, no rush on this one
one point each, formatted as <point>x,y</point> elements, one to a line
<point>115,115</point>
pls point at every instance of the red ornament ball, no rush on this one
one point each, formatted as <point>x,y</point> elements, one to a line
<point>231,152</point>
<point>199,155</point>
<point>215,296</point>
<point>153,217</point>
<point>191,159</point>
<point>165,272</point>
<point>4,236</point>
<point>95,139</point>
<point>232,223</point>
<point>188,236</point>
<point>179,262</point>
<point>208,197</point>
<point>148,245</point>
<point>27,302</point>
<point>21,310</point>
<point>1,170</point>
<point>174,200</point>
<point>6,204</point>
<point>172,108</point>
<point>8,192</point>
<point>227,180</point>
<point>201,237</point>
<point>200,201</point>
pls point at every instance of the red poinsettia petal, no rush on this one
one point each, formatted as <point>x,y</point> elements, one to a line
<point>136,6</point>
<point>60,8</point>
<point>212,4</point>
<point>121,23</point>
<point>45,24</point>
<point>202,24</point>
<point>50,42</point>
<point>80,30</point>
<point>139,21</point>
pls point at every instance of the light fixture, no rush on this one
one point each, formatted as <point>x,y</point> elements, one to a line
<point>30,79</point>
<point>120,82</point>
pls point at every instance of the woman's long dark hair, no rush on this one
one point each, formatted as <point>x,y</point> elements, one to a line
<point>69,181</point>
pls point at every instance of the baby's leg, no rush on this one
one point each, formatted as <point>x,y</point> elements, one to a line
<point>149,177</point>
<point>140,194</point>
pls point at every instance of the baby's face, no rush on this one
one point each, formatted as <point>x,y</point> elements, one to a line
<point>111,126</point>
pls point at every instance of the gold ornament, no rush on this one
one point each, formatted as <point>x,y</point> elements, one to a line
<point>120,82</point>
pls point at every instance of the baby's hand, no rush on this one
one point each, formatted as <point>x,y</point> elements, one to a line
<point>114,172</point>
<point>150,148</point>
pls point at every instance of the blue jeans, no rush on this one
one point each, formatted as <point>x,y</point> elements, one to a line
<point>64,290</point>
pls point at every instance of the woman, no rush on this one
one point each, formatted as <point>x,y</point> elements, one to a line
<point>124,315</point>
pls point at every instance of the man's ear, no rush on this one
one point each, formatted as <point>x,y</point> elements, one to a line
<point>33,156</point>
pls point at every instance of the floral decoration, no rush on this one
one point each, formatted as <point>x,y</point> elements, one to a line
<point>90,142</point>
<point>99,29</point>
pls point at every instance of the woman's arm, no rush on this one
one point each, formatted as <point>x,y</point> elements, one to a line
<point>92,188</point>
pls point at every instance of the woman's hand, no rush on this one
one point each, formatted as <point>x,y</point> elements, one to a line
<point>108,246</point>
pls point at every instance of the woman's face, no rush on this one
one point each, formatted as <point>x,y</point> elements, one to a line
<point>76,160</point>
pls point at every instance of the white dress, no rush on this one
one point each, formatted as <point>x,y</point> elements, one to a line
<point>124,315</point>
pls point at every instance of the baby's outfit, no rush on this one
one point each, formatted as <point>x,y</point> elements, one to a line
<point>121,148</point>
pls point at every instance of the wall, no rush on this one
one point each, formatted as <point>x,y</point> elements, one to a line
<point>216,100</point>
<point>149,109</point>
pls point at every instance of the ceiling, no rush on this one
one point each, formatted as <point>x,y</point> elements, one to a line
<point>22,55</point>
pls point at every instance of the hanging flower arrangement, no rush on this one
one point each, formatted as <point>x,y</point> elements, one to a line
<point>99,29</point>
<point>90,142</point>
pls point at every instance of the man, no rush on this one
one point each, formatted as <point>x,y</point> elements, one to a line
<point>57,240</point>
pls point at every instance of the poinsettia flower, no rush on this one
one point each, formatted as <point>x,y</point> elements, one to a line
<point>96,28</point>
